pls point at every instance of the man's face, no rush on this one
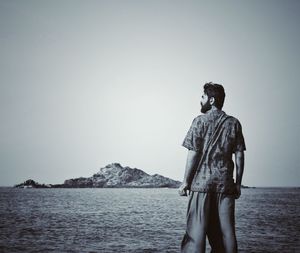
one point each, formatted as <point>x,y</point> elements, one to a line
<point>204,102</point>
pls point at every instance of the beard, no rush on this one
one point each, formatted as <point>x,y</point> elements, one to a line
<point>206,107</point>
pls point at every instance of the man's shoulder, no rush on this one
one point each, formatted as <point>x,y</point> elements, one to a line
<point>232,120</point>
<point>208,118</point>
<point>199,119</point>
<point>202,118</point>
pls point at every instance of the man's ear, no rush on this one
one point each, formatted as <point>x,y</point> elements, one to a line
<point>211,100</point>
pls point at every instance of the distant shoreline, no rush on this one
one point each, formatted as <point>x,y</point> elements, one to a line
<point>249,187</point>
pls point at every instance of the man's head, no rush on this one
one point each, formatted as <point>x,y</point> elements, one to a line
<point>214,95</point>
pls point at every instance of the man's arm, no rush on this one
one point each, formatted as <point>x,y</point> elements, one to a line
<point>239,164</point>
<point>191,162</point>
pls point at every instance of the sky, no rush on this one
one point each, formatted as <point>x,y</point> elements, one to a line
<point>87,83</point>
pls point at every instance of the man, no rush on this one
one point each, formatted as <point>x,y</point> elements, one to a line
<point>211,140</point>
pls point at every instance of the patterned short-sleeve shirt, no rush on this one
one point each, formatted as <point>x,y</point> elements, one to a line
<point>216,171</point>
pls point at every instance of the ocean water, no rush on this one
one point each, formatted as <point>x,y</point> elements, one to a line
<point>137,220</point>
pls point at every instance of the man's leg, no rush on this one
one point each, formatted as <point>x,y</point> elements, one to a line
<point>214,232</point>
<point>227,223</point>
<point>197,221</point>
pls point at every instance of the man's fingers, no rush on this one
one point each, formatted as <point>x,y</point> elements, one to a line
<point>182,192</point>
<point>237,195</point>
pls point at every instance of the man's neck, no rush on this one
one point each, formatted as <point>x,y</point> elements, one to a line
<point>213,109</point>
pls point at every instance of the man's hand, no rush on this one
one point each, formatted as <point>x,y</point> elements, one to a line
<point>239,163</point>
<point>191,162</point>
<point>183,189</point>
<point>237,191</point>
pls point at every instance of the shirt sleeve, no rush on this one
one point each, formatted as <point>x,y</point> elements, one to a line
<point>239,138</point>
<point>192,140</point>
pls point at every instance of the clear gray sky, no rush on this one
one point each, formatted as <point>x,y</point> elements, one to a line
<point>87,83</point>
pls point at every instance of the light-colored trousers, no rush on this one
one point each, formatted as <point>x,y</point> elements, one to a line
<point>210,214</point>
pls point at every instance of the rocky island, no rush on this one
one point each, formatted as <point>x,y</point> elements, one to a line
<point>32,184</point>
<point>111,176</point>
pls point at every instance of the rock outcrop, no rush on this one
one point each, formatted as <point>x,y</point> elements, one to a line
<point>116,176</point>
<point>32,184</point>
<point>111,176</point>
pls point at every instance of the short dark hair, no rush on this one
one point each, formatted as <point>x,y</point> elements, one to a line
<point>217,92</point>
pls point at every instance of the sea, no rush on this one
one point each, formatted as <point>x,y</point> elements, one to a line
<point>137,220</point>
